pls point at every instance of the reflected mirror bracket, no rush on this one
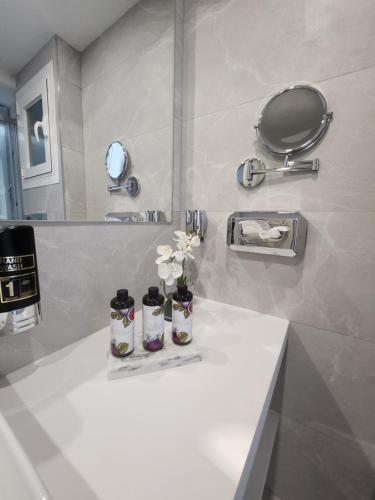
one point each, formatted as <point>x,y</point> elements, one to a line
<point>132,187</point>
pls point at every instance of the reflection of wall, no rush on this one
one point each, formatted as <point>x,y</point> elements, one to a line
<point>80,268</point>
<point>71,130</point>
<point>127,89</point>
<point>236,54</point>
<point>45,199</point>
<point>71,189</point>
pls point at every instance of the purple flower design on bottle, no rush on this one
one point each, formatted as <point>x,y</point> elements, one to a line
<point>185,307</point>
<point>153,344</point>
<point>124,315</point>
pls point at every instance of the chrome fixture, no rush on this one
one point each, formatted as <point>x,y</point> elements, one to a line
<point>274,233</point>
<point>132,187</point>
<point>149,216</point>
<point>291,123</point>
<point>154,216</point>
<point>252,172</point>
<point>196,222</point>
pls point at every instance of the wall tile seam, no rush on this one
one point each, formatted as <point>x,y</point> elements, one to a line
<point>282,209</point>
<point>271,94</point>
<point>71,149</point>
<point>85,84</point>
<point>67,145</point>
<point>67,81</point>
<point>344,438</point>
<point>129,138</point>
<point>291,322</point>
<point>346,335</point>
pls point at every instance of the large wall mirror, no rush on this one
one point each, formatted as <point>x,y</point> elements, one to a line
<point>88,106</point>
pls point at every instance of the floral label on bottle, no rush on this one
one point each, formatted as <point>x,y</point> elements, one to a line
<point>153,327</point>
<point>122,331</point>
<point>182,322</point>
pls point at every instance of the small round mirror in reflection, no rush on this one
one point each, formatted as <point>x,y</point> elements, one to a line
<point>293,120</point>
<point>117,160</point>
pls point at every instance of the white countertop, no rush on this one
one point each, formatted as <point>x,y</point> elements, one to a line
<point>179,434</point>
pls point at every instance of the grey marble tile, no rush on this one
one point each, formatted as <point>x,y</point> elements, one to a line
<point>337,374</point>
<point>46,200</point>
<point>80,269</point>
<point>331,288</point>
<point>144,25</point>
<point>134,98</point>
<point>71,124</point>
<point>47,53</point>
<point>180,8</point>
<point>310,465</point>
<point>214,146</point>
<point>178,68</point>
<point>236,51</point>
<point>268,495</point>
<point>151,161</point>
<point>177,174</point>
<point>74,185</point>
<point>69,62</point>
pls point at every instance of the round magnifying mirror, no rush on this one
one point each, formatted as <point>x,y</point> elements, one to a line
<point>117,160</point>
<point>293,121</point>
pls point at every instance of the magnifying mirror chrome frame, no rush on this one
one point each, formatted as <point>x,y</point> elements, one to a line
<point>326,119</point>
<point>126,161</point>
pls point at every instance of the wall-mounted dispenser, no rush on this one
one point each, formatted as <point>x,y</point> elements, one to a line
<point>274,233</point>
<point>196,222</point>
<point>19,283</point>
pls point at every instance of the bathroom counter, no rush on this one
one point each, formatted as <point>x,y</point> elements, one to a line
<point>190,432</point>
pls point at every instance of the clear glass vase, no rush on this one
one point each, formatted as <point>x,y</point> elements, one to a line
<point>168,294</point>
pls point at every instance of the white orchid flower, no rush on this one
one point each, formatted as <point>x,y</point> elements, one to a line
<point>185,244</point>
<point>169,272</point>
<point>179,255</point>
<point>165,252</point>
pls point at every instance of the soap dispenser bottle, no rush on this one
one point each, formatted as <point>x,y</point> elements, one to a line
<point>182,316</point>
<point>122,324</point>
<point>153,320</point>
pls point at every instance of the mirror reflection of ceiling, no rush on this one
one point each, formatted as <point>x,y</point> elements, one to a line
<point>78,22</point>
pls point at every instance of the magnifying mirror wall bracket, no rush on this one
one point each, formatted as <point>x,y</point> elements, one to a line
<point>292,122</point>
<point>132,187</point>
<point>252,172</point>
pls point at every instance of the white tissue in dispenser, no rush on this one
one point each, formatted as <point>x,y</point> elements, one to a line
<point>274,233</point>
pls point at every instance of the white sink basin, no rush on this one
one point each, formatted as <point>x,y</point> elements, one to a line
<point>18,478</point>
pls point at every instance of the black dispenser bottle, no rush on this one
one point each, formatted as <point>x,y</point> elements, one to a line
<point>153,320</point>
<point>19,282</point>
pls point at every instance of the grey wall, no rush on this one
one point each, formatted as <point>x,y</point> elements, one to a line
<point>128,95</point>
<point>237,54</point>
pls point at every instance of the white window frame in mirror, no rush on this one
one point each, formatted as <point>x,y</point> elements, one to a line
<point>42,85</point>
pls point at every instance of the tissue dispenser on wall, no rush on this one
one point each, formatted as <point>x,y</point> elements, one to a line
<point>19,282</point>
<point>273,233</point>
